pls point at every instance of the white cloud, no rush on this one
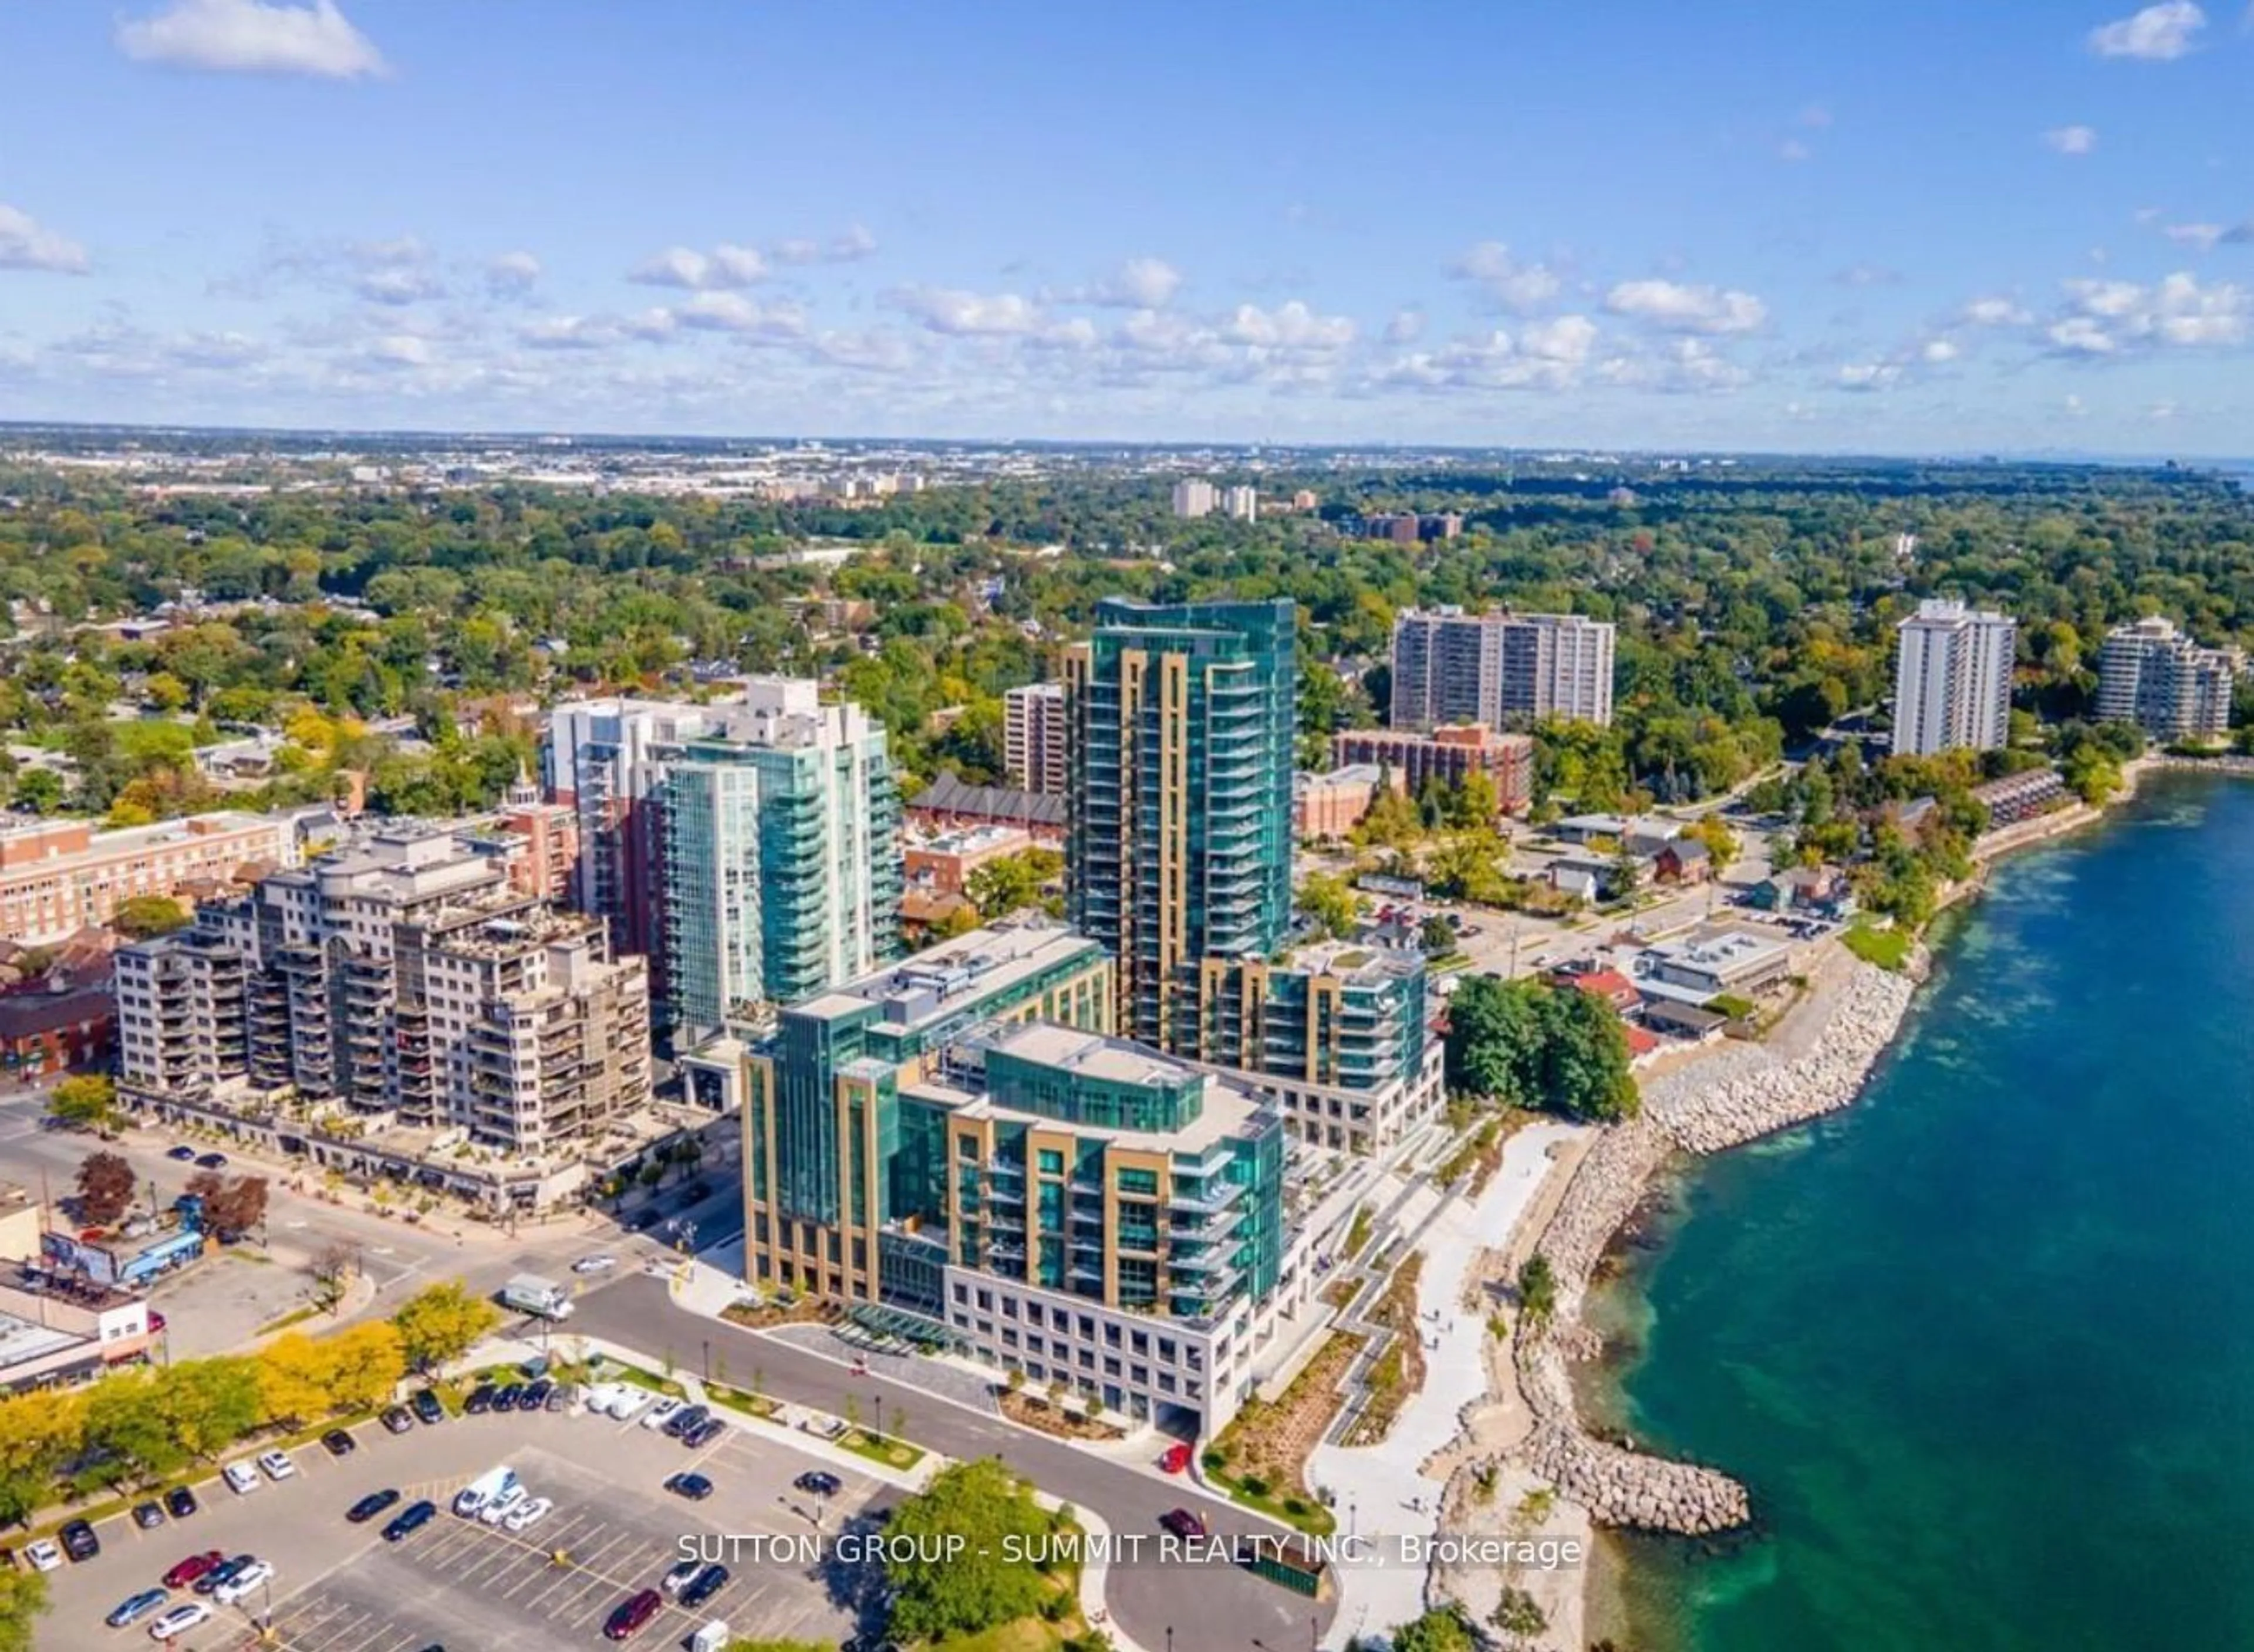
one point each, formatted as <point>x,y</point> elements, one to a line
<point>952,311</point>
<point>2160,412</point>
<point>1678,308</point>
<point>1406,327</point>
<point>2111,299</point>
<point>512,275</point>
<point>404,285</point>
<point>2156,34</point>
<point>1937,351</point>
<point>1289,326</point>
<point>2071,140</point>
<point>2203,236</point>
<point>1868,376</point>
<point>2074,406</point>
<point>1995,312</point>
<point>732,313</point>
<point>723,268</point>
<point>854,243</point>
<point>2079,335</point>
<point>253,36</point>
<point>1140,283</point>
<point>27,244</point>
<point>1547,355</point>
<point>400,350</point>
<point>1512,284</point>
<point>568,332</point>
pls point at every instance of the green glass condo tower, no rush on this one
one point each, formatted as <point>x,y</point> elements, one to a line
<point>1179,843</point>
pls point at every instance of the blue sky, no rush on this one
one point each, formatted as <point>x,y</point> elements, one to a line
<point>2022,224</point>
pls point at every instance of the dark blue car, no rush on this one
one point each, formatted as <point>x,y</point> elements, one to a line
<point>410,1520</point>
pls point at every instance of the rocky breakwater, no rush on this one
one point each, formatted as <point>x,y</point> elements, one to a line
<point>1707,1108</point>
<point>1741,1092</point>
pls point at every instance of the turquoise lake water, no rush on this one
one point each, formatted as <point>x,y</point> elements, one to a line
<point>1982,1346</point>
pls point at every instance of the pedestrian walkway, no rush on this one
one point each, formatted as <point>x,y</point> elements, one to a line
<point>1384,1491</point>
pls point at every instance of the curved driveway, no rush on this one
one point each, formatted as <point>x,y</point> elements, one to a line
<point>1209,1608</point>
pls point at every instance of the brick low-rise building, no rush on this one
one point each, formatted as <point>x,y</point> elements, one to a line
<point>60,875</point>
<point>1448,755</point>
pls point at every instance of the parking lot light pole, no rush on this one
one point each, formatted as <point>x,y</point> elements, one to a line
<point>880,1419</point>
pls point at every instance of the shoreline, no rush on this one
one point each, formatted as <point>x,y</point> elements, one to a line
<point>1727,1098</point>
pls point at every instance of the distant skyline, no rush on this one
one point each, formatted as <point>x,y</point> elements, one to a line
<point>1865,227</point>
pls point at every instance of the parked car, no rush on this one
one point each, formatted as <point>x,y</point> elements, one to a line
<point>661,1414</point>
<point>819,1482</point>
<point>181,1619</point>
<point>706,1584</point>
<point>276,1465</point>
<point>695,1487</point>
<point>682,1421</point>
<point>1177,1459</point>
<point>148,1516</point>
<point>427,1406</point>
<point>371,1505</point>
<point>44,1555</point>
<point>500,1508</point>
<point>1182,1523</point>
<point>631,1613</point>
<point>137,1607</point>
<point>536,1396</point>
<point>78,1541</point>
<point>222,1572</point>
<point>627,1403</point>
<point>480,1400</point>
<point>180,1502</point>
<point>184,1153</point>
<point>647,1220</point>
<point>680,1576</point>
<point>704,1434</point>
<point>558,1400</point>
<point>506,1397</point>
<point>211,1161</point>
<point>337,1443</point>
<point>241,1478</point>
<point>527,1514</point>
<point>252,1577</point>
<point>186,1571</point>
<point>397,1419</point>
<point>595,1264</point>
<point>410,1519</point>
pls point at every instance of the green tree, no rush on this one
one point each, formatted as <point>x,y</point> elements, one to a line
<point>443,1322</point>
<point>1537,1289</point>
<point>126,1426</point>
<point>1436,936</point>
<point>23,1602</point>
<point>1493,1029</point>
<point>84,1101</point>
<point>40,791</point>
<point>1441,1629</point>
<point>1330,902</point>
<point>978,1505</point>
<point>144,916</point>
<point>1003,886</point>
<point>106,1186</point>
<point>209,1404</point>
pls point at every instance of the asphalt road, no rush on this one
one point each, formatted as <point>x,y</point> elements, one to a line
<point>1214,1608</point>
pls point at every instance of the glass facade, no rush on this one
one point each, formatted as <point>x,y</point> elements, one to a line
<point>1178,841</point>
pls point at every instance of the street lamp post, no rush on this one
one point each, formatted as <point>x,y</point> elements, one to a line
<point>880,1416</point>
<point>708,1358</point>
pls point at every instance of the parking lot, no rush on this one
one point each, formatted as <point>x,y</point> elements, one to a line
<point>456,1583</point>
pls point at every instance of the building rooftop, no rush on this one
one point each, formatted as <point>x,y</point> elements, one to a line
<point>972,840</point>
<point>1228,1106</point>
<point>1353,961</point>
<point>936,982</point>
<point>950,794</point>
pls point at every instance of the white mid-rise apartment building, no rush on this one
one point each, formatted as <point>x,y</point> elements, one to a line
<point>1503,669</point>
<point>1195,497</point>
<point>1240,503</point>
<point>1953,679</point>
<point>1036,738</point>
<point>2152,675</point>
<point>402,979</point>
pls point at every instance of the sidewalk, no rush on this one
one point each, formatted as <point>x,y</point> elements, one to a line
<point>1383,1490</point>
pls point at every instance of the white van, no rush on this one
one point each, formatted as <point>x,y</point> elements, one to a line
<point>713,1636</point>
<point>470,1501</point>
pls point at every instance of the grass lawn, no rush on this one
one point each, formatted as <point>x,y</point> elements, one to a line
<point>1026,1634</point>
<point>646,1379</point>
<point>893,1454</point>
<point>1888,949</point>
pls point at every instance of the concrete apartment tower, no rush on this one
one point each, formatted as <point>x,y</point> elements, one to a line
<point>1036,738</point>
<point>2152,675</point>
<point>1503,669</point>
<point>1953,679</point>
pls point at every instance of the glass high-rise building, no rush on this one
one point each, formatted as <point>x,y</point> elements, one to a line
<point>781,855</point>
<point>1179,843</point>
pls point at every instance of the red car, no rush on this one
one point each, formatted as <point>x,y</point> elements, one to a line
<point>1182,1523</point>
<point>633,1612</point>
<point>1177,1458</point>
<point>193,1567</point>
